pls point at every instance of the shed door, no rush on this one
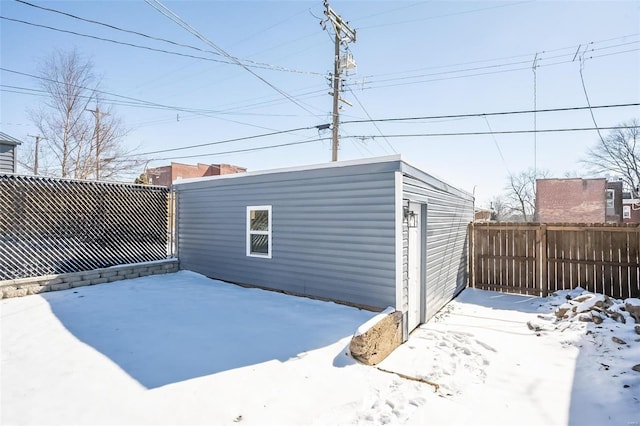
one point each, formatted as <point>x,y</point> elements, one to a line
<point>415,270</point>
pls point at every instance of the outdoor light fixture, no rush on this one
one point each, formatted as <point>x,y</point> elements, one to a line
<point>411,218</point>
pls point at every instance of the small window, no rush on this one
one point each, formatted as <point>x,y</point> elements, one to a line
<point>259,231</point>
<point>611,196</point>
<point>626,212</point>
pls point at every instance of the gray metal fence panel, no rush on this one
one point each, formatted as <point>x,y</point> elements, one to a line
<point>52,226</point>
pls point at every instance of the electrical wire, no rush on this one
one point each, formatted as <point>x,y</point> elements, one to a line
<point>372,121</point>
<point>153,49</point>
<point>236,151</point>
<point>362,137</point>
<point>375,84</point>
<point>495,141</point>
<point>447,15</point>
<point>584,87</point>
<point>492,72</point>
<point>393,119</point>
<point>128,100</point>
<point>245,138</point>
<point>155,38</point>
<point>164,10</point>
<point>151,104</point>
<point>481,114</point>
<point>503,132</point>
<point>572,48</point>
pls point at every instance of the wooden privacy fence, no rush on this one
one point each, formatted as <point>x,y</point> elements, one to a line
<point>537,259</point>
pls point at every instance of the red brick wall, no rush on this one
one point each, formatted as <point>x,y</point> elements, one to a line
<point>166,175</point>
<point>220,169</point>
<point>571,200</point>
<point>160,176</point>
<point>226,169</point>
<point>635,214</point>
<point>184,171</point>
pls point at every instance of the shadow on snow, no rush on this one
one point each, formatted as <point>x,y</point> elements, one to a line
<point>167,329</point>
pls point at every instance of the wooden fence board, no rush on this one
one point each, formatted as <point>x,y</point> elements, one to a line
<point>634,273</point>
<point>541,258</point>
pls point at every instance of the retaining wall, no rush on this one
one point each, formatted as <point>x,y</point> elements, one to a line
<point>26,286</point>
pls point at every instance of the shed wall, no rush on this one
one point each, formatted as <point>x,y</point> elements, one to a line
<point>449,211</point>
<point>333,231</point>
<point>7,163</point>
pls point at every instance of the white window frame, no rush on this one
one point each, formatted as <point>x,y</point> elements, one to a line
<point>268,232</point>
<point>626,212</point>
<point>610,199</point>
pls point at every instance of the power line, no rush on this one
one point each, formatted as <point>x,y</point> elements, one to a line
<point>436,117</point>
<point>150,104</point>
<point>495,141</point>
<point>236,151</point>
<point>128,100</point>
<point>164,40</point>
<point>483,115</point>
<point>379,86</point>
<point>571,48</point>
<point>584,87</point>
<point>164,10</point>
<point>503,132</point>
<point>372,121</point>
<point>448,14</point>
<point>153,49</point>
<point>195,113</point>
<point>362,137</point>
<point>245,138</point>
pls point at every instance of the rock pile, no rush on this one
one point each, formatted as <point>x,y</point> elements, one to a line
<point>597,309</point>
<point>591,307</point>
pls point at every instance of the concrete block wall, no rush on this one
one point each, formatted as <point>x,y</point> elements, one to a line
<point>35,285</point>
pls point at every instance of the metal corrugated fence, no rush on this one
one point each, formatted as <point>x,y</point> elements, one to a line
<point>52,226</point>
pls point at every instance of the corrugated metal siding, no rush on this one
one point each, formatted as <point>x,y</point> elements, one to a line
<point>6,158</point>
<point>333,231</point>
<point>448,214</point>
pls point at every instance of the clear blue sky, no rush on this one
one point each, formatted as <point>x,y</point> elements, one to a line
<point>413,59</point>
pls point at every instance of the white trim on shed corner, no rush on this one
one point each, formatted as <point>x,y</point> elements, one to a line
<point>399,215</point>
<point>396,157</point>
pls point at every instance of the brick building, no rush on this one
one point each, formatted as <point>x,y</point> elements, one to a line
<point>166,175</point>
<point>483,215</point>
<point>630,208</point>
<point>578,200</point>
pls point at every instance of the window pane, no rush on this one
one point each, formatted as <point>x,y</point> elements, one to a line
<point>260,244</point>
<point>259,220</point>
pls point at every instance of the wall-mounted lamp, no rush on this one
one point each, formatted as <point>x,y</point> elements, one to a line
<point>411,217</point>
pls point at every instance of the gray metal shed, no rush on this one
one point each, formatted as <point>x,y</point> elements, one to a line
<point>8,154</point>
<point>376,233</point>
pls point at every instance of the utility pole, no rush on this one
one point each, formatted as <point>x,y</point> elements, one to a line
<point>535,117</point>
<point>97,113</point>
<point>343,33</point>
<point>35,153</point>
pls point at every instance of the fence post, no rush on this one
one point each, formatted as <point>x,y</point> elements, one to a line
<point>471,265</point>
<point>544,279</point>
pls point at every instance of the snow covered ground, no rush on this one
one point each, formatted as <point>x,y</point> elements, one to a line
<point>183,349</point>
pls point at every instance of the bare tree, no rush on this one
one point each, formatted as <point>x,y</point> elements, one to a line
<point>501,211</point>
<point>619,153</point>
<point>521,192</point>
<point>71,132</point>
